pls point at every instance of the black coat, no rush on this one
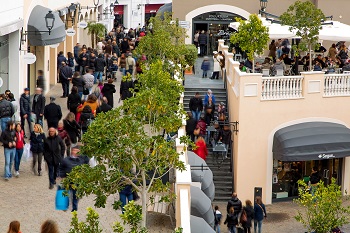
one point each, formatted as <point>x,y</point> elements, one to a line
<point>191,125</point>
<point>236,203</point>
<point>103,108</point>
<point>231,219</point>
<point>54,149</point>
<point>6,109</point>
<point>100,64</point>
<point>124,45</point>
<point>249,210</point>
<point>37,142</point>
<point>65,73</point>
<point>24,104</point>
<point>84,119</point>
<point>6,137</point>
<point>83,62</point>
<point>108,90</point>
<point>196,104</point>
<point>124,92</point>
<point>39,105</point>
<point>69,163</point>
<point>52,113</point>
<point>202,38</point>
<point>73,130</point>
<point>73,101</point>
<point>79,83</point>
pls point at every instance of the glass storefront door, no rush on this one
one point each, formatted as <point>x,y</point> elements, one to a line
<point>287,174</point>
<point>4,63</point>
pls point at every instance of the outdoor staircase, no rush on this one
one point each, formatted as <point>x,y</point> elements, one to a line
<point>221,172</point>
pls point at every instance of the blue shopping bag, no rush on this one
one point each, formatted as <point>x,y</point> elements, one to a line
<point>62,202</point>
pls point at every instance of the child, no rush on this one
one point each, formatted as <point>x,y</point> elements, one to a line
<point>64,136</point>
<point>217,215</point>
<point>231,220</point>
<point>205,67</point>
<point>14,227</point>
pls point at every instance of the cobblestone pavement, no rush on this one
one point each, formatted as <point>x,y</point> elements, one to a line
<point>28,200</point>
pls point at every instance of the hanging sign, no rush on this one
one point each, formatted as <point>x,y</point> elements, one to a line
<point>70,32</point>
<point>53,46</point>
<point>1,82</point>
<point>29,58</point>
<point>82,24</point>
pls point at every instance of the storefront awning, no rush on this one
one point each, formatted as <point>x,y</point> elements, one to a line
<point>152,8</point>
<point>37,23</point>
<point>311,141</point>
<point>168,7</point>
<point>118,9</point>
<point>198,225</point>
<point>201,205</point>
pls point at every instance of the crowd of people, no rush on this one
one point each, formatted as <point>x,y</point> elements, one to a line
<point>279,59</point>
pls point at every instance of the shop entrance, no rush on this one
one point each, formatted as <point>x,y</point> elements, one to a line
<point>4,64</point>
<point>287,174</point>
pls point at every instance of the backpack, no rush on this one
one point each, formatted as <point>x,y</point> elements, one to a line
<point>70,62</point>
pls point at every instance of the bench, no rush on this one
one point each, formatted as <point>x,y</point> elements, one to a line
<point>160,207</point>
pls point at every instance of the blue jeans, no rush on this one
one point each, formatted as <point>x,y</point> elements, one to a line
<point>196,115</point>
<point>99,75</point>
<point>9,157</point>
<point>232,229</point>
<point>217,228</point>
<point>39,120</point>
<point>123,71</point>
<point>279,53</point>
<point>80,94</point>
<point>75,200</point>
<point>3,122</point>
<point>123,197</point>
<point>205,73</point>
<point>18,157</point>
<point>259,224</point>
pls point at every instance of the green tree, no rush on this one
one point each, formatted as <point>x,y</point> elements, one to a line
<point>323,210</point>
<point>92,224</point>
<point>305,19</point>
<point>252,36</point>
<point>96,31</point>
<point>128,145</point>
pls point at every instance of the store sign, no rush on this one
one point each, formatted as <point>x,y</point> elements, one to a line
<point>326,156</point>
<point>1,82</point>
<point>184,24</point>
<point>53,46</point>
<point>70,32</point>
<point>82,24</point>
<point>29,58</point>
<point>217,16</point>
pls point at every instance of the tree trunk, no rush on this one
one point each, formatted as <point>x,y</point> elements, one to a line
<point>310,60</point>
<point>92,40</point>
<point>144,200</point>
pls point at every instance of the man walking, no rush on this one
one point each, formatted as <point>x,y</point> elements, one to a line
<point>235,203</point>
<point>83,61</point>
<point>100,64</point>
<point>203,40</point>
<point>66,75</point>
<point>52,113</point>
<point>130,64</point>
<point>66,167</point>
<point>6,111</point>
<point>196,106</point>
<point>89,81</point>
<point>38,106</point>
<point>25,110</point>
<point>54,149</point>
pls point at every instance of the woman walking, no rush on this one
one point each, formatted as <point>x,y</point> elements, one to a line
<point>19,147</point>
<point>201,148</point>
<point>74,100</point>
<point>8,139</point>
<point>231,220</point>
<point>72,128</point>
<point>79,83</point>
<point>259,214</point>
<point>37,138</point>
<point>249,211</point>
<point>108,90</point>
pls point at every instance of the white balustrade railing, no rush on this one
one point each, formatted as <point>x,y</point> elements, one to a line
<point>277,88</point>
<point>337,85</point>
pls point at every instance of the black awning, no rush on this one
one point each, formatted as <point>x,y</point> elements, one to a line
<point>167,7</point>
<point>36,23</point>
<point>311,141</point>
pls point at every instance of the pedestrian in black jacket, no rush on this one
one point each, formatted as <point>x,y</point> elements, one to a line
<point>249,211</point>
<point>100,64</point>
<point>73,100</point>
<point>6,111</point>
<point>235,203</point>
<point>8,139</point>
<point>86,118</point>
<point>104,107</point>
<point>67,166</point>
<point>108,90</point>
<point>52,113</point>
<point>38,106</point>
<point>83,61</point>
<point>54,149</point>
<point>196,106</point>
<point>25,110</point>
<point>231,220</point>
<point>125,87</point>
<point>72,127</point>
<point>79,83</point>
<point>37,138</point>
<point>65,75</point>
<point>191,124</point>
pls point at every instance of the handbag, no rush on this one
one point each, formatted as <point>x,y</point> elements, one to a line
<point>27,154</point>
<point>85,91</point>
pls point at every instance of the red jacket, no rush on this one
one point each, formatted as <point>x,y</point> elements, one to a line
<point>201,150</point>
<point>20,140</point>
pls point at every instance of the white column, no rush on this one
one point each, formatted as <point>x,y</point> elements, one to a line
<point>17,76</point>
<point>346,176</point>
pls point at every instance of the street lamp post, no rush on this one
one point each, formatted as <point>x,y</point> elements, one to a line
<point>263,5</point>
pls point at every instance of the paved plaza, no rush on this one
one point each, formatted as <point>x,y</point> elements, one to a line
<point>29,200</point>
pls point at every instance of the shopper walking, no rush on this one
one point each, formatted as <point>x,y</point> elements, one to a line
<point>89,82</point>
<point>259,214</point>
<point>74,100</point>
<point>6,111</point>
<point>19,147</point>
<point>64,136</point>
<point>54,149</point>
<point>191,124</point>
<point>52,113</point>
<point>25,110</point>
<point>231,220</point>
<point>217,216</point>
<point>72,127</point>
<point>8,139</point>
<point>104,107</point>
<point>65,76</point>
<point>108,90</point>
<point>100,64</point>
<point>203,40</point>
<point>201,148</point>
<point>78,82</point>
<point>125,87</point>
<point>249,213</point>
<point>235,203</point>
<point>205,67</point>
<point>37,138</point>
<point>38,106</point>
<point>196,106</point>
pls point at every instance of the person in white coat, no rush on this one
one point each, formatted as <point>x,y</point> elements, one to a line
<point>217,68</point>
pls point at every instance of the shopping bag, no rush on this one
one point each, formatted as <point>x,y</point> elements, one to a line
<point>27,154</point>
<point>92,162</point>
<point>199,50</point>
<point>33,117</point>
<point>62,202</point>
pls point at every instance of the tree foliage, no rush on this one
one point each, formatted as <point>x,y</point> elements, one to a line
<point>96,31</point>
<point>92,224</point>
<point>305,19</point>
<point>252,36</point>
<point>322,210</point>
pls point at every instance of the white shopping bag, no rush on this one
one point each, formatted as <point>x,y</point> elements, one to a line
<point>27,154</point>
<point>92,162</point>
